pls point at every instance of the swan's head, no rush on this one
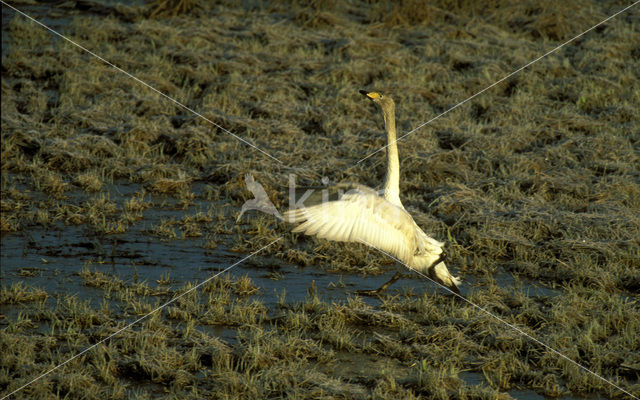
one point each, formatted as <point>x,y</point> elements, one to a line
<point>385,102</point>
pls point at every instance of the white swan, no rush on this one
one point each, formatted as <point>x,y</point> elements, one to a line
<point>361,215</point>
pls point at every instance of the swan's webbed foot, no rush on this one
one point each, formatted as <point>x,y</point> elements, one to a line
<point>381,289</point>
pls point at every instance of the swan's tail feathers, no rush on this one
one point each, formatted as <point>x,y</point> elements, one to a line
<point>440,273</point>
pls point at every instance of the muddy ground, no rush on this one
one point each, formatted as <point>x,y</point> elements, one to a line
<point>116,199</point>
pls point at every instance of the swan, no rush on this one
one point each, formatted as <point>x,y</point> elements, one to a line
<point>362,215</point>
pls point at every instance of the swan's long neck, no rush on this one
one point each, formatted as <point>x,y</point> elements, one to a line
<point>392,179</point>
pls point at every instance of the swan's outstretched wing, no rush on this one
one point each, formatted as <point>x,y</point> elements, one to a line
<point>363,216</point>
<point>360,216</point>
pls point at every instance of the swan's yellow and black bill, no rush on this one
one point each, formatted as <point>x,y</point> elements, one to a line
<point>371,95</point>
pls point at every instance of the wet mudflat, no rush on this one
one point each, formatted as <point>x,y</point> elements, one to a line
<point>116,200</point>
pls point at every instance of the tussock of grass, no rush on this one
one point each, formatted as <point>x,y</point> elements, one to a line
<point>21,293</point>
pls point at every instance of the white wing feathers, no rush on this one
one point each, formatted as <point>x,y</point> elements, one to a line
<point>363,216</point>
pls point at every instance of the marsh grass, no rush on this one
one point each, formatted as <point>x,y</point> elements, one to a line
<point>537,180</point>
<point>21,293</point>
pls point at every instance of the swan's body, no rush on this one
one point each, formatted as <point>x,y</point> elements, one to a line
<point>362,215</point>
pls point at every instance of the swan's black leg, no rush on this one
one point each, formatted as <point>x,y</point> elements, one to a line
<point>381,289</point>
